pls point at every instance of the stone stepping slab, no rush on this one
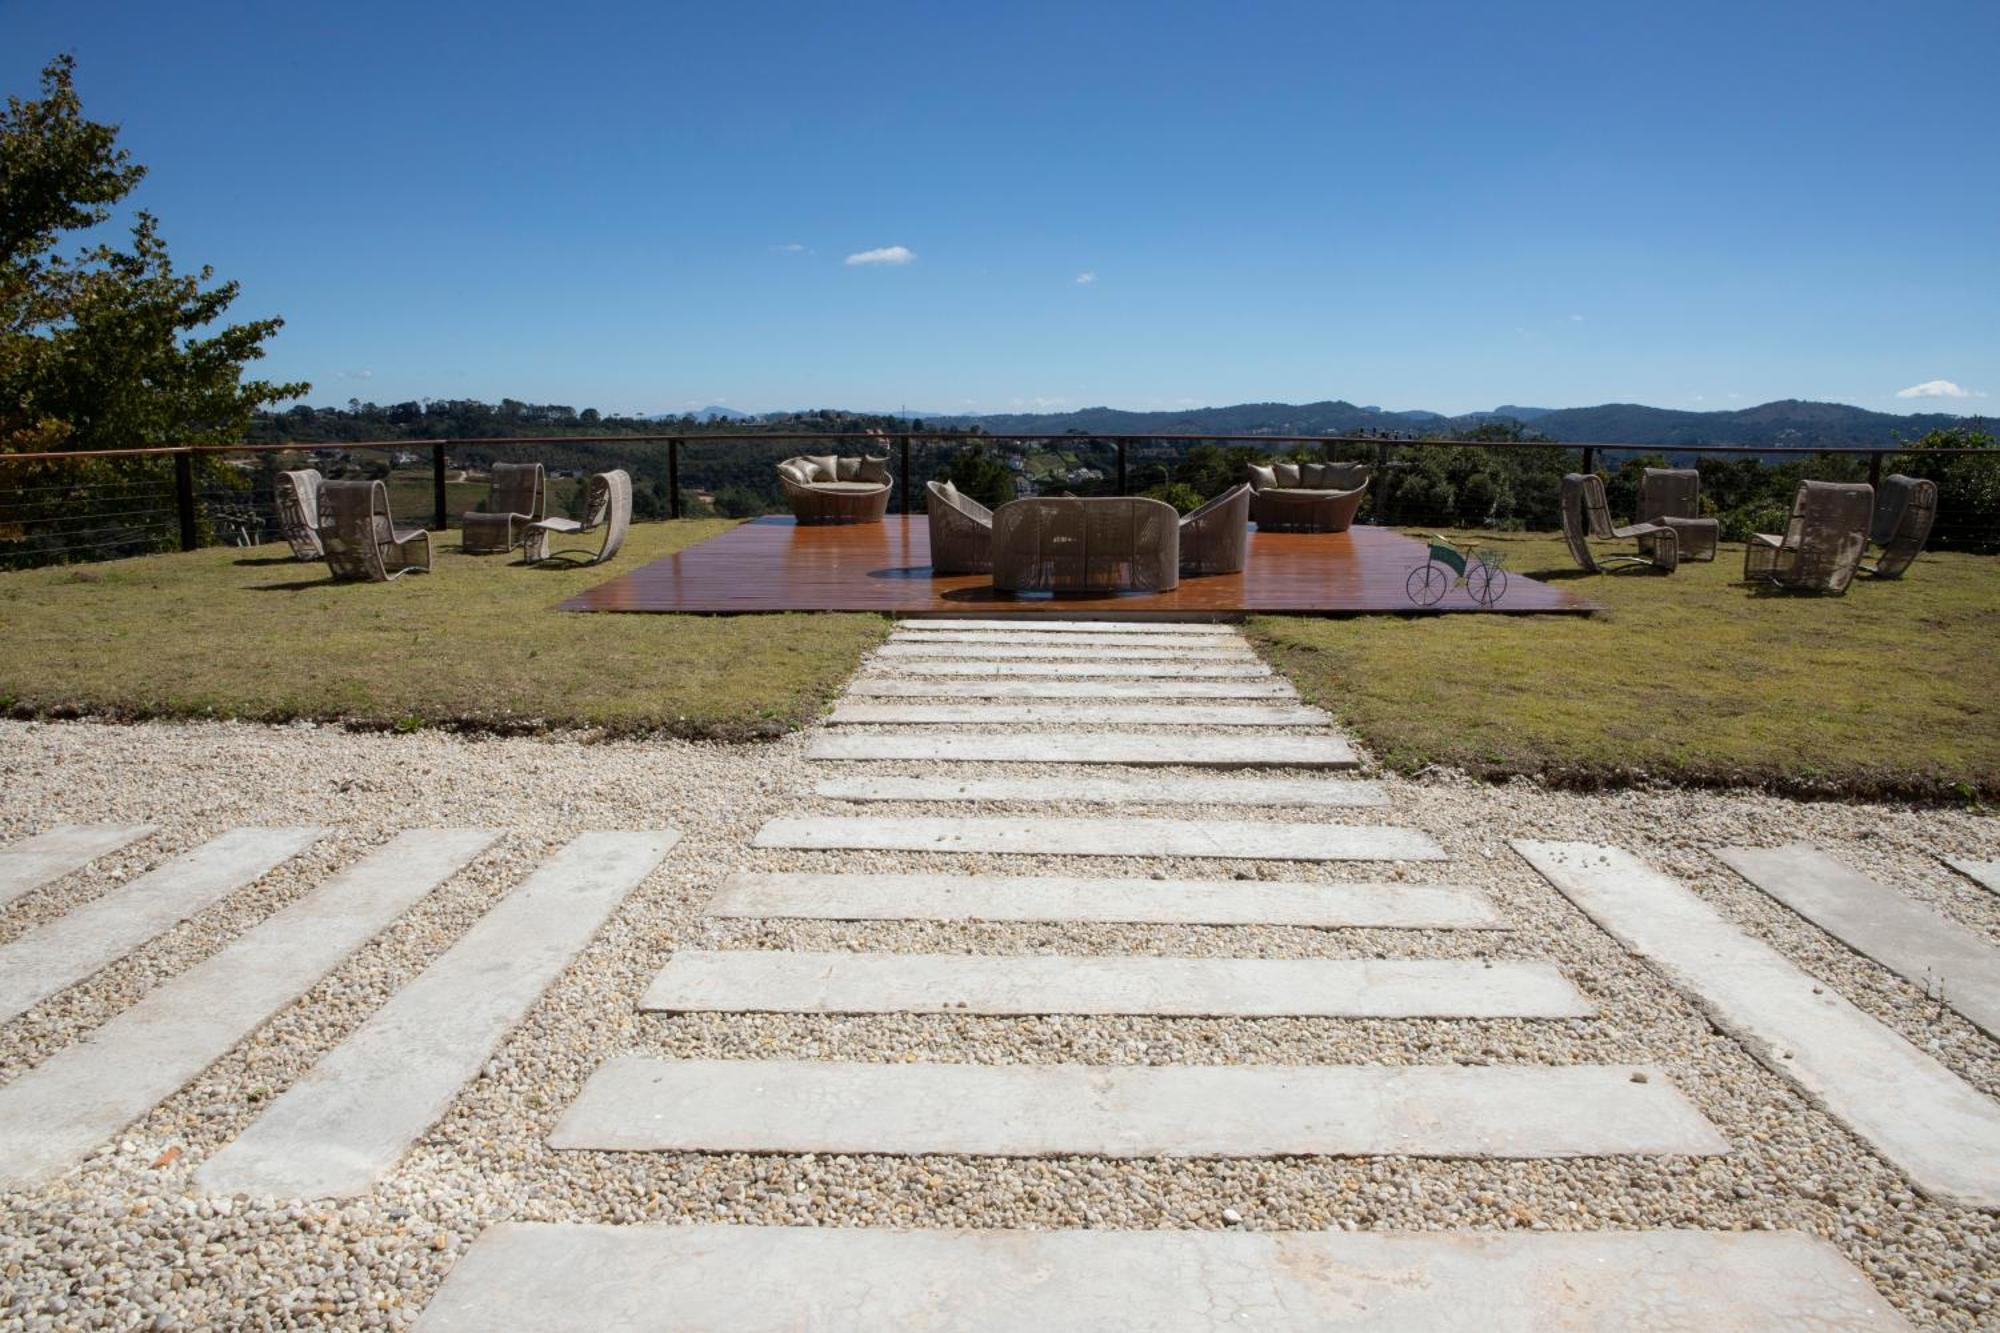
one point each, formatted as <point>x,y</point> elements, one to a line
<point>1180,669</point>
<point>1957,965</point>
<point>1223,651</point>
<point>1041,625</point>
<point>53,1115</point>
<point>641,1104</point>
<point>59,953</point>
<point>347,1121</point>
<point>1084,747</point>
<point>769,981</point>
<point>1197,642</point>
<point>896,687</point>
<point>1082,715</point>
<point>33,862</point>
<point>1193,902</point>
<point>1101,789</point>
<point>1229,839</point>
<point>1983,873</point>
<point>1922,1118</point>
<point>581,1278</point>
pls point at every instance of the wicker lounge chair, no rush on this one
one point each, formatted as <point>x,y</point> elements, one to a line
<point>1905,508</point>
<point>607,510</point>
<point>1215,538</point>
<point>1586,517</point>
<point>361,540</point>
<point>961,531</point>
<point>1096,544</point>
<point>1672,495</point>
<point>519,497</point>
<point>1822,543</point>
<point>822,488</point>
<point>298,511</point>
<point>1307,497</point>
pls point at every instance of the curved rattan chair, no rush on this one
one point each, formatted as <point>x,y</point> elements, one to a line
<point>823,488</point>
<point>519,497</point>
<point>1215,538</point>
<point>361,540</point>
<point>607,510</point>
<point>961,531</point>
<point>1307,497</point>
<point>1672,496</point>
<point>1905,509</point>
<point>1822,543</point>
<point>1586,517</point>
<point>297,495</point>
<point>1091,544</point>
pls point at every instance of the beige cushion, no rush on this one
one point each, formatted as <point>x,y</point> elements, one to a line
<point>794,473</point>
<point>850,469</point>
<point>1313,475</point>
<point>1288,473</point>
<point>1262,478</point>
<point>873,469</point>
<point>825,467</point>
<point>1344,476</point>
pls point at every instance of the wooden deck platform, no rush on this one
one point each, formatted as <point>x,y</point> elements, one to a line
<point>774,564</point>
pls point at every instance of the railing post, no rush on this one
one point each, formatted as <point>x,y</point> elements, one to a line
<point>1589,458</point>
<point>903,447</point>
<point>1121,465</point>
<point>1875,469</point>
<point>673,478</point>
<point>184,498</point>
<point>437,487</point>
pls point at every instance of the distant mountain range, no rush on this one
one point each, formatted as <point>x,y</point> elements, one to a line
<point>1788,424</point>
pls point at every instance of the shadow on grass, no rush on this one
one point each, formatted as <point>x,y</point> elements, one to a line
<point>263,562</point>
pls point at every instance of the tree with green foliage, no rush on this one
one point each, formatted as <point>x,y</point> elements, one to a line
<point>977,473</point>
<point>1968,517</point>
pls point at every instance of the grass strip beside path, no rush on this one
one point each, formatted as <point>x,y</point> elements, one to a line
<point>1691,678</point>
<point>253,634</point>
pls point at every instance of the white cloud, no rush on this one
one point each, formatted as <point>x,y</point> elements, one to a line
<point>1937,389</point>
<point>888,254</point>
<point>794,248</point>
<point>356,375</point>
<point>1085,278</point>
<point>1576,319</point>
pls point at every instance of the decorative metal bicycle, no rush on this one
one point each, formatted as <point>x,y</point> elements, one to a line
<point>1476,567</point>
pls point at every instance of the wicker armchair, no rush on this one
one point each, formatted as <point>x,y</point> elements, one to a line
<point>1672,496</point>
<point>1822,543</point>
<point>1215,538</point>
<point>1307,497</point>
<point>1905,508</point>
<point>607,510</point>
<point>518,498</point>
<point>298,511</point>
<point>961,531</point>
<point>1098,544</point>
<point>1586,517</point>
<point>822,488</point>
<point>361,540</point>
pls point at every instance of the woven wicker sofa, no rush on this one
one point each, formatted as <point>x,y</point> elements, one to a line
<point>824,488</point>
<point>1306,497</point>
<point>1094,544</point>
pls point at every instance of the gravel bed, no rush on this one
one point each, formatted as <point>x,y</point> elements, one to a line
<point>123,1242</point>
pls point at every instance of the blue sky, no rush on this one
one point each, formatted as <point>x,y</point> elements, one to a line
<point>644,207</point>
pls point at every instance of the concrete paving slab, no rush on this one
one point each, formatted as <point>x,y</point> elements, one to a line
<point>1196,902</point>
<point>1078,715</point>
<point>1922,1118</point>
<point>1176,670</point>
<point>1103,789</point>
<point>53,1115</point>
<point>1234,839</point>
<point>57,954</point>
<point>1086,747</point>
<point>1959,966</point>
<point>640,1104</point>
<point>901,687</point>
<point>1983,873</point>
<point>33,862</point>
<point>1047,625</point>
<point>1224,650</point>
<point>346,1122</point>
<point>583,1278</point>
<point>771,981</point>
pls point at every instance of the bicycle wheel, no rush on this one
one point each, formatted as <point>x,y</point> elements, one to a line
<point>1427,585</point>
<point>1486,584</point>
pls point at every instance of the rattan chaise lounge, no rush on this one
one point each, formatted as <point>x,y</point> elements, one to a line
<point>1215,538</point>
<point>1672,496</point>
<point>1905,509</point>
<point>823,488</point>
<point>361,540</point>
<point>961,531</point>
<point>297,495</point>
<point>518,497</point>
<point>1822,543</point>
<point>1093,544</point>
<point>607,510</point>
<point>1307,497</point>
<point>1586,517</point>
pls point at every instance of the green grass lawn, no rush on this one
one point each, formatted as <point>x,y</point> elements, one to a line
<point>227,632</point>
<point>1691,678</point>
